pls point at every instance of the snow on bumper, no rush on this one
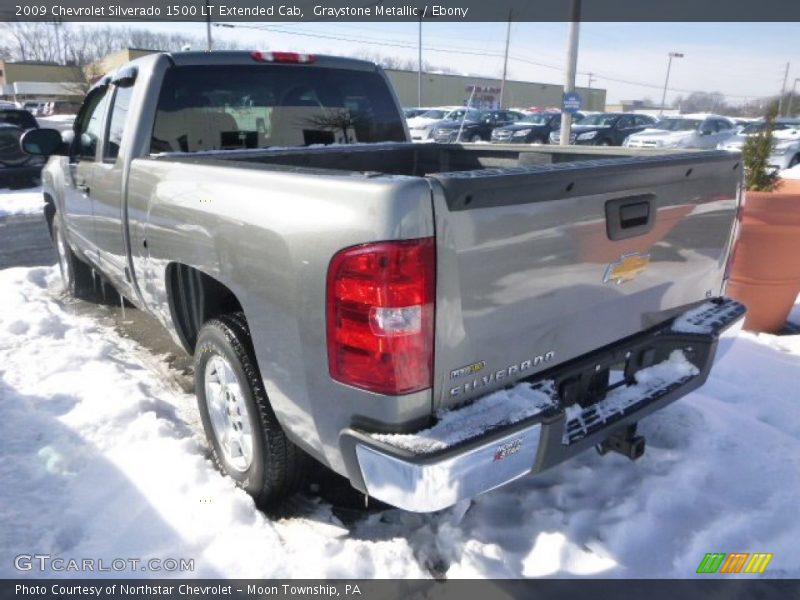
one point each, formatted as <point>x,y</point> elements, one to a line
<point>537,424</point>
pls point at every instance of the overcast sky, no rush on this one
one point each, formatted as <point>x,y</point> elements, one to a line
<point>741,60</point>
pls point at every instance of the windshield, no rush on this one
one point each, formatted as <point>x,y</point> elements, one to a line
<point>535,119</point>
<point>600,120</point>
<point>677,124</point>
<point>257,106</point>
<point>458,114</point>
<point>434,114</point>
<point>759,126</point>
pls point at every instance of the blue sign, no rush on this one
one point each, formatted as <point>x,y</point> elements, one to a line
<point>571,102</point>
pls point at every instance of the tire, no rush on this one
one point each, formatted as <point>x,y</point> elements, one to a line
<point>605,142</point>
<point>75,274</point>
<point>475,138</point>
<point>257,454</point>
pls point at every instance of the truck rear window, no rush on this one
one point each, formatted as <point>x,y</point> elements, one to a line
<point>241,106</point>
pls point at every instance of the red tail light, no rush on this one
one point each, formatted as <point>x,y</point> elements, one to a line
<point>380,309</point>
<point>284,57</point>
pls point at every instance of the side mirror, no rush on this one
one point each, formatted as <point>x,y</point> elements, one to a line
<point>705,131</point>
<point>42,142</point>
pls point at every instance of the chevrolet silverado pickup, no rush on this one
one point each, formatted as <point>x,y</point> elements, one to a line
<point>429,321</point>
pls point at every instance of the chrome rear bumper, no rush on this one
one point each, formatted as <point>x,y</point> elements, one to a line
<point>429,481</point>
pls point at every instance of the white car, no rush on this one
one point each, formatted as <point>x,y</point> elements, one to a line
<point>786,153</point>
<point>684,131</point>
<point>421,127</point>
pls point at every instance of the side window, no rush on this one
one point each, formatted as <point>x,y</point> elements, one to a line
<point>723,125</point>
<point>642,121</point>
<point>708,127</point>
<point>119,114</point>
<point>90,126</point>
<point>625,123</point>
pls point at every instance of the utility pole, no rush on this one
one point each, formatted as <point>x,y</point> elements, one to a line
<point>666,80</point>
<point>591,78</point>
<point>789,111</point>
<point>572,64</point>
<point>505,61</point>
<point>419,65</point>
<point>208,29</point>
<point>783,90</point>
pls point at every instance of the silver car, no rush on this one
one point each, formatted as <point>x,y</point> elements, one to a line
<point>786,153</point>
<point>685,131</point>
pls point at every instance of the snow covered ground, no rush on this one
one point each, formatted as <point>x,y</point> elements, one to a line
<point>21,202</point>
<point>101,457</point>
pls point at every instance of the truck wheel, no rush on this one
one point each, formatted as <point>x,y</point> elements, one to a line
<point>247,442</point>
<point>76,274</point>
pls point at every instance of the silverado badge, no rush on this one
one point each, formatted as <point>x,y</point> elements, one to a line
<point>626,268</point>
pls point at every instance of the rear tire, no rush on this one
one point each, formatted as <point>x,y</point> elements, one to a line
<point>475,139</point>
<point>76,274</point>
<point>247,443</point>
<point>605,142</point>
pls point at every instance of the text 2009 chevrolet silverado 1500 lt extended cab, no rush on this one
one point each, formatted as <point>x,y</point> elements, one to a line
<point>429,321</point>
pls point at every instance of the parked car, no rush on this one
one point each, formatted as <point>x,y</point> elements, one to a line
<point>17,169</point>
<point>605,129</point>
<point>533,128</point>
<point>685,131</point>
<point>36,108</point>
<point>410,113</point>
<point>354,303</point>
<point>421,127</point>
<point>475,126</point>
<point>786,153</point>
<point>60,107</point>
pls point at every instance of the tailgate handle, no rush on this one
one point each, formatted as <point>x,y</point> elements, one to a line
<point>633,215</point>
<point>630,217</point>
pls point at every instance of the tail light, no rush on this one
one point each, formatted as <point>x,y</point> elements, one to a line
<point>380,309</point>
<point>282,57</point>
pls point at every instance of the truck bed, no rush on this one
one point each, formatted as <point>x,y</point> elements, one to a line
<point>545,253</point>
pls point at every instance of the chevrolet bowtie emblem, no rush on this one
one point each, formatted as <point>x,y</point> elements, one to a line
<point>626,268</point>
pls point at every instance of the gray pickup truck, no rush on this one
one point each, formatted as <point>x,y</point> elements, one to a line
<point>429,321</point>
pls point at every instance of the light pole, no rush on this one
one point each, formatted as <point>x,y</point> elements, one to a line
<point>419,65</point>
<point>572,64</point>
<point>666,81</point>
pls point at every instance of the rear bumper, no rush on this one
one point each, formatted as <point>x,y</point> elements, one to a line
<point>556,431</point>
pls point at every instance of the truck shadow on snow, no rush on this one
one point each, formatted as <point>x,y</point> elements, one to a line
<point>63,497</point>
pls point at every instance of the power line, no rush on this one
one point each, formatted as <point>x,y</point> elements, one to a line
<point>464,51</point>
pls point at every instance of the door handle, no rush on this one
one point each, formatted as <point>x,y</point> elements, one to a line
<point>630,217</point>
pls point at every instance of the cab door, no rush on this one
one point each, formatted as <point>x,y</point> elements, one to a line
<point>83,155</point>
<point>108,193</point>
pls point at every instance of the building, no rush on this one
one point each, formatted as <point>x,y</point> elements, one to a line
<point>23,81</point>
<point>440,89</point>
<point>643,108</point>
<point>39,81</point>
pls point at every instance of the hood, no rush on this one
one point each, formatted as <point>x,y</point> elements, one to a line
<point>415,122</point>
<point>663,134</point>
<point>520,125</point>
<point>447,124</point>
<point>578,129</point>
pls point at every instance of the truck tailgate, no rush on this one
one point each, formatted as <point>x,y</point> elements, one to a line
<point>538,265</point>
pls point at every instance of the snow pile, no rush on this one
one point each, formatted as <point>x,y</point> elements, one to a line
<point>793,173</point>
<point>503,407</point>
<point>102,459</point>
<point>21,202</point>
